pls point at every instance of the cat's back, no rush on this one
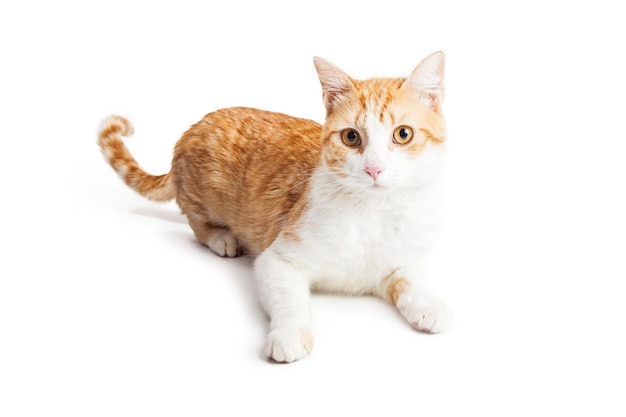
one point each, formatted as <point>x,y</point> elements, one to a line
<point>247,166</point>
<point>241,144</point>
<point>237,131</point>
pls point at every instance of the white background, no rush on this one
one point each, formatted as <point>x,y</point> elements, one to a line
<point>108,307</point>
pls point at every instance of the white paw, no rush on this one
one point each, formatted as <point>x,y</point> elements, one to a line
<point>223,243</point>
<point>425,313</point>
<point>288,345</point>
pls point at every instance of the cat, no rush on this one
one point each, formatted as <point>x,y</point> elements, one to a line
<point>352,206</point>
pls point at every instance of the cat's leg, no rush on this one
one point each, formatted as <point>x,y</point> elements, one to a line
<point>424,311</point>
<point>284,293</point>
<point>219,239</point>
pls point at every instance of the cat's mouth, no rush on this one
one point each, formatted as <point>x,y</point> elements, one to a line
<point>376,187</point>
<point>368,185</point>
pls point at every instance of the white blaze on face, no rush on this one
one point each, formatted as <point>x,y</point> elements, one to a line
<point>375,161</point>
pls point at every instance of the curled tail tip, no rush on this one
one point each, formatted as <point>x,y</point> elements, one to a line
<point>113,127</point>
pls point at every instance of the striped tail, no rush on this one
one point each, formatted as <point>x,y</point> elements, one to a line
<point>153,187</point>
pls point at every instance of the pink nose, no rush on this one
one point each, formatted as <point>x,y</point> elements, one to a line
<point>373,171</point>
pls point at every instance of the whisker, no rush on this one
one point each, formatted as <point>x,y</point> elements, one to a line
<point>322,193</point>
<point>306,179</point>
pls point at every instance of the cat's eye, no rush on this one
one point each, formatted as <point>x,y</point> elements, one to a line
<point>402,135</point>
<point>351,137</point>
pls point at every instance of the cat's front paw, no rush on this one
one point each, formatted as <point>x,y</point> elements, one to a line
<point>426,313</point>
<point>288,345</point>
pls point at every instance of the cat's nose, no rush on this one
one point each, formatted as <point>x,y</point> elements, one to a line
<point>373,171</point>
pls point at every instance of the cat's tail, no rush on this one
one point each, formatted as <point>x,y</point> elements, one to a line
<point>154,187</point>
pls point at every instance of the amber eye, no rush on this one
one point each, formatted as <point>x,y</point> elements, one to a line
<point>351,137</point>
<point>402,135</point>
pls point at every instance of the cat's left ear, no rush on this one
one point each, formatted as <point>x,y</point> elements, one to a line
<point>427,79</point>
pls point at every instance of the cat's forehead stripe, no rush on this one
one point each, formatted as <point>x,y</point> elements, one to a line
<point>375,97</point>
<point>385,105</point>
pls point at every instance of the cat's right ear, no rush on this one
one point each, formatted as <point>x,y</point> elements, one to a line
<point>335,83</point>
<point>427,79</point>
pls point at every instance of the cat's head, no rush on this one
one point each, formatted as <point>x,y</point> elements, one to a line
<point>384,133</point>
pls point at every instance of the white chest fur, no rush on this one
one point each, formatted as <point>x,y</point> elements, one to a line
<point>349,242</point>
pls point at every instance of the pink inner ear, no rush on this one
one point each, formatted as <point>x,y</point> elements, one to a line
<point>426,80</point>
<point>335,82</point>
<point>331,97</point>
<point>435,99</point>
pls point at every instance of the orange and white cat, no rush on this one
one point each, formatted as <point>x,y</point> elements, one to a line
<point>352,206</point>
